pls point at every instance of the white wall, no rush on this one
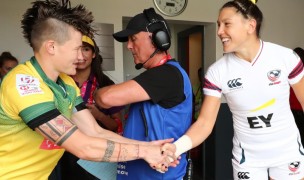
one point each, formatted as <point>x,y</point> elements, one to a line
<point>283,23</point>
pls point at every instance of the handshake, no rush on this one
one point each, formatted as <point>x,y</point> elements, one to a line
<point>163,154</point>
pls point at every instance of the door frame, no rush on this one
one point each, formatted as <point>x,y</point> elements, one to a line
<point>183,46</point>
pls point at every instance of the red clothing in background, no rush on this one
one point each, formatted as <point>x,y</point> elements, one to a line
<point>294,103</point>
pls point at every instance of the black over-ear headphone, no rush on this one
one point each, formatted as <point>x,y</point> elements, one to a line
<point>160,33</point>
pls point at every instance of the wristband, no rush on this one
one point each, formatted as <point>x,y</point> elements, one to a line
<point>182,145</point>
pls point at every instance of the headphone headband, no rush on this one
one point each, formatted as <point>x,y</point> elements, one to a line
<point>158,27</point>
<point>151,15</point>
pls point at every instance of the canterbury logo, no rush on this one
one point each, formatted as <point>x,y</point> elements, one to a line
<point>243,175</point>
<point>234,83</point>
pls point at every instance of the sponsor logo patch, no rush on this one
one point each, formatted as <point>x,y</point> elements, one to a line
<point>27,85</point>
<point>235,84</point>
<point>243,175</point>
<point>48,145</point>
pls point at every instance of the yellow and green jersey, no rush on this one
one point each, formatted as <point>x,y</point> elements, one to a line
<point>28,99</point>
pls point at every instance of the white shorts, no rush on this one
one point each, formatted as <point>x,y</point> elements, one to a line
<point>286,171</point>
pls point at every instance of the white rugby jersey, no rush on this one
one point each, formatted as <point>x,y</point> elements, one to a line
<point>257,94</point>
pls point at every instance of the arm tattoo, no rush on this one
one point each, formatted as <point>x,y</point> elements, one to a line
<point>67,135</point>
<point>123,154</point>
<point>119,152</point>
<point>58,129</point>
<point>137,151</point>
<point>109,151</point>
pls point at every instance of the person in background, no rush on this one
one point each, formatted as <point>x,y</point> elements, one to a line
<point>160,97</point>
<point>255,77</point>
<point>42,113</point>
<point>89,77</point>
<point>295,105</point>
<point>7,63</point>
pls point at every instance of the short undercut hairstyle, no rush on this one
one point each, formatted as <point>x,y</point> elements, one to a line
<point>50,19</point>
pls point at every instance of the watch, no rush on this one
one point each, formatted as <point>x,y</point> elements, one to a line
<point>171,7</point>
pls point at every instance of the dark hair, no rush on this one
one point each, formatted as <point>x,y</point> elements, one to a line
<point>7,56</point>
<point>249,10</point>
<point>96,66</point>
<point>300,53</point>
<point>51,19</point>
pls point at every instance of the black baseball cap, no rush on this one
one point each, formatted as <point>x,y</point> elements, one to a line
<point>137,24</point>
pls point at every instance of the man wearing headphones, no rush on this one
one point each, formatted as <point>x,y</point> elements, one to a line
<point>160,97</point>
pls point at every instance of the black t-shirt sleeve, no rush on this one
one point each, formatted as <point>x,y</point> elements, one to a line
<point>164,84</point>
<point>106,81</point>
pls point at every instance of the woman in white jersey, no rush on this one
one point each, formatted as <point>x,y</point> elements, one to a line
<point>254,77</point>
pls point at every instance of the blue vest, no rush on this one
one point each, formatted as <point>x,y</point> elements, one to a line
<point>158,123</point>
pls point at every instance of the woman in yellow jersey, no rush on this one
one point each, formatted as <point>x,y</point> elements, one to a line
<point>42,112</point>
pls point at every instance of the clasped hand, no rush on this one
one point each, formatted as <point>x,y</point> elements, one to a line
<point>164,155</point>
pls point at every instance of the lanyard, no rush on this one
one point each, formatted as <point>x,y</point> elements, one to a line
<point>164,60</point>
